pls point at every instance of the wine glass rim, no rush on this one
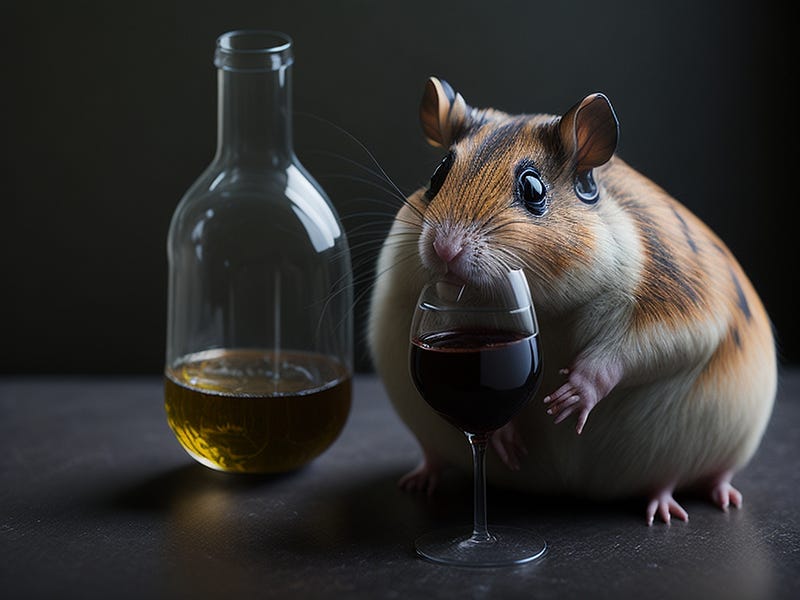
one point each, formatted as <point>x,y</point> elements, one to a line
<point>427,305</point>
<point>446,294</point>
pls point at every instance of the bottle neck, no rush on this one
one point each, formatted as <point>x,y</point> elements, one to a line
<point>254,117</point>
<point>254,108</point>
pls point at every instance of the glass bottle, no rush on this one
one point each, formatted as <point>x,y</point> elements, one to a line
<point>259,325</point>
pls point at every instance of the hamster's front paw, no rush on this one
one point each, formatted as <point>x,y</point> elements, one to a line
<point>586,385</point>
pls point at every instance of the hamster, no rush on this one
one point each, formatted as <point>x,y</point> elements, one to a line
<point>655,346</point>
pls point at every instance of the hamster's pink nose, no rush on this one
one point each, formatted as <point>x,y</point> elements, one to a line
<point>447,249</point>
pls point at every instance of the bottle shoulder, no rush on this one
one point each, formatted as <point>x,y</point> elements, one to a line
<point>269,199</point>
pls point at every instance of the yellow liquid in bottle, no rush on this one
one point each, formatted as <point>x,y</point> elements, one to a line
<point>255,411</point>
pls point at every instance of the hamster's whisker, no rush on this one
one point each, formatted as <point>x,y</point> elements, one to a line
<point>366,244</point>
<point>371,280</point>
<point>487,221</point>
<point>380,175</point>
<point>368,278</point>
<point>358,142</point>
<point>371,229</point>
<point>403,199</point>
<point>508,253</point>
<point>400,244</point>
<point>404,234</point>
<point>391,192</point>
<point>396,264</point>
<point>390,205</point>
<point>501,226</point>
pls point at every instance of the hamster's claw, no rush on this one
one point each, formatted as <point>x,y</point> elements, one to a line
<point>665,505</point>
<point>508,445</point>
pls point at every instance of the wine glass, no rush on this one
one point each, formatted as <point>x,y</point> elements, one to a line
<point>475,359</point>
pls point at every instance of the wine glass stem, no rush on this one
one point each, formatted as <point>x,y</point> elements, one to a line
<point>480,531</point>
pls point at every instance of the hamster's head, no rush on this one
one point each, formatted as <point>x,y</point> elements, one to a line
<point>516,191</point>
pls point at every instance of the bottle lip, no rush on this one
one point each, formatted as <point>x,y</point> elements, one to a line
<point>253,50</point>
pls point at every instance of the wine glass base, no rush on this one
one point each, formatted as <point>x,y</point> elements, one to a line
<point>454,546</point>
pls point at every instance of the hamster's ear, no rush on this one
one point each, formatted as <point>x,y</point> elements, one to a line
<point>589,131</point>
<point>443,113</point>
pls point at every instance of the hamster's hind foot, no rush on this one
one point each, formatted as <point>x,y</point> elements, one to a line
<point>425,476</point>
<point>666,506</point>
<point>723,494</point>
<point>508,445</point>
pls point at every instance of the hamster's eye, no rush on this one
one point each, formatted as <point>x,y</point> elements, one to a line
<point>439,175</point>
<point>586,188</point>
<point>533,192</point>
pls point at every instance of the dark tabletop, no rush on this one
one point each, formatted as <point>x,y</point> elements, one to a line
<point>98,500</point>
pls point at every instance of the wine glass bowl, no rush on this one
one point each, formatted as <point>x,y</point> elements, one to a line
<point>475,359</point>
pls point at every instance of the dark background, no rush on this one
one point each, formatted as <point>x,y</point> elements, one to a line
<point>108,115</point>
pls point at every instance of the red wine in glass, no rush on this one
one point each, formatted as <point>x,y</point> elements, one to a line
<point>477,379</point>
